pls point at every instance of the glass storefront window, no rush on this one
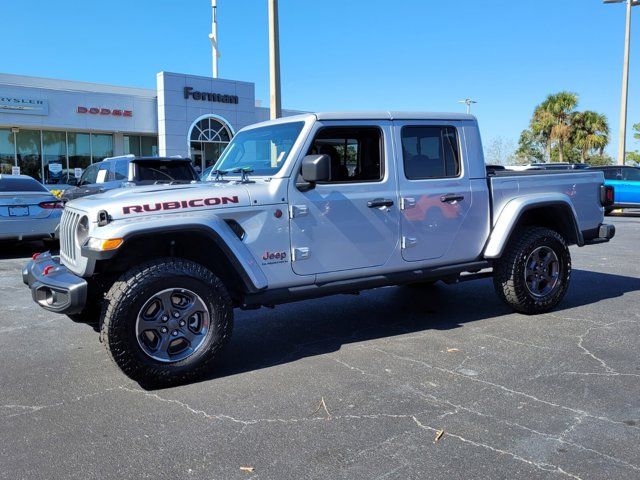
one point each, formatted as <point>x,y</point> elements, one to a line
<point>141,146</point>
<point>79,148</point>
<point>149,146</point>
<point>54,158</point>
<point>101,146</point>
<point>132,145</point>
<point>29,154</point>
<point>7,151</point>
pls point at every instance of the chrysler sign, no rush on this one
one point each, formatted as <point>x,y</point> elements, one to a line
<point>209,96</point>
<point>23,105</point>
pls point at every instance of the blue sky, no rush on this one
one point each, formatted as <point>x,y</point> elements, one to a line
<point>347,55</point>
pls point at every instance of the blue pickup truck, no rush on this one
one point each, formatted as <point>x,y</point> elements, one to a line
<point>625,181</point>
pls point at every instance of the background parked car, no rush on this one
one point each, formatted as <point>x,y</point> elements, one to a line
<point>27,209</point>
<point>116,172</point>
<point>626,185</point>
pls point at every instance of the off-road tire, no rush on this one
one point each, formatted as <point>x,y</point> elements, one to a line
<point>124,301</point>
<point>509,270</point>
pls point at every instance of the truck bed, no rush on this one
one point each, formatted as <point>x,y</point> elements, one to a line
<point>581,188</point>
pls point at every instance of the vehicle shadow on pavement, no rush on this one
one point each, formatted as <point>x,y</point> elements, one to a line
<point>12,249</point>
<point>266,338</point>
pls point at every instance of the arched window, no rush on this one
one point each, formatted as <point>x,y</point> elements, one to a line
<point>210,130</point>
<point>209,137</point>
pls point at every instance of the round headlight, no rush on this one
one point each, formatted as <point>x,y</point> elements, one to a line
<point>82,230</point>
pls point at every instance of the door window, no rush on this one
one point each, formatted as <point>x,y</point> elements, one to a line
<point>430,152</point>
<point>121,170</point>
<point>355,153</point>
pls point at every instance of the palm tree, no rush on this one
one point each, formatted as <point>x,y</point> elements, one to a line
<point>551,121</point>
<point>591,132</point>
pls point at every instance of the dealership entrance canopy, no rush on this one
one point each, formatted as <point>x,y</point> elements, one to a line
<point>53,129</point>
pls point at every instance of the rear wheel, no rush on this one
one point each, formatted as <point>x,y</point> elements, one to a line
<point>533,274</point>
<point>165,321</point>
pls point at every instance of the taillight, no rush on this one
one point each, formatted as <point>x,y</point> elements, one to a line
<point>51,205</point>
<point>606,195</point>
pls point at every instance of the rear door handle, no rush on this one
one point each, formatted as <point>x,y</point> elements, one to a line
<point>380,202</point>
<point>451,198</point>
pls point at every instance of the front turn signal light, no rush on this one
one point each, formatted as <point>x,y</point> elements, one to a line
<point>102,245</point>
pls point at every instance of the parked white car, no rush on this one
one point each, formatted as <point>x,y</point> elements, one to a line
<point>27,209</point>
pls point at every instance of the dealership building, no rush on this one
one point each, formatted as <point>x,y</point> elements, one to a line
<point>53,129</point>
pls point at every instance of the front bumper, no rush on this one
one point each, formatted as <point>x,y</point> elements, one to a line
<point>58,290</point>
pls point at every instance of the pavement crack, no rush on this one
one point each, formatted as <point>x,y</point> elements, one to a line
<point>350,367</point>
<point>547,467</point>
<point>561,438</point>
<point>501,387</point>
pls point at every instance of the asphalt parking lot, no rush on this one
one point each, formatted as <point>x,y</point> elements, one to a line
<point>443,382</point>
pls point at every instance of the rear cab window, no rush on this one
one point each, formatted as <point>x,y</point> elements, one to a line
<point>163,171</point>
<point>430,152</point>
<point>611,173</point>
<point>631,174</point>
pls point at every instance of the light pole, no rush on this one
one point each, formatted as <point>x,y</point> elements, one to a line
<point>213,36</point>
<point>622,142</point>
<point>274,62</point>
<point>468,102</point>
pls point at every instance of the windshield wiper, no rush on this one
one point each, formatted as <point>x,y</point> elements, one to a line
<point>244,174</point>
<point>219,175</point>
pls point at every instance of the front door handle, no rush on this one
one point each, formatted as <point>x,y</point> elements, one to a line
<point>380,202</point>
<point>451,198</point>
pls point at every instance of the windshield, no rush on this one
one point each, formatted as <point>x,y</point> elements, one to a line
<point>90,175</point>
<point>263,149</point>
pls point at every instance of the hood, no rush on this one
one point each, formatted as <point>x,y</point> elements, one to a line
<point>77,192</point>
<point>129,202</point>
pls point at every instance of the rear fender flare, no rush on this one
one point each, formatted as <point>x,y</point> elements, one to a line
<point>510,216</point>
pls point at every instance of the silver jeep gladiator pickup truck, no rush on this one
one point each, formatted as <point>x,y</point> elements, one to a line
<point>304,207</point>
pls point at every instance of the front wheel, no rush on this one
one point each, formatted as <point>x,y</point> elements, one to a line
<point>165,321</point>
<point>532,276</point>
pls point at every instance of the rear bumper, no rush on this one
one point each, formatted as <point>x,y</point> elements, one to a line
<point>602,234</point>
<point>58,291</point>
<point>29,228</point>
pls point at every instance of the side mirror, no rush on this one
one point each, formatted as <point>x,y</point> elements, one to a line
<point>316,168</point>
<point>72,181</point>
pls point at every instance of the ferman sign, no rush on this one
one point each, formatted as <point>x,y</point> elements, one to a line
<point>23,105</point>
<point>209,96</point>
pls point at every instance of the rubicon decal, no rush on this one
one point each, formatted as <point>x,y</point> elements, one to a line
<point>198,202</point>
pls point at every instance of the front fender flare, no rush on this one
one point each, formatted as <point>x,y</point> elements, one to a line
<point>510,215</point>
<point>214,228</point>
